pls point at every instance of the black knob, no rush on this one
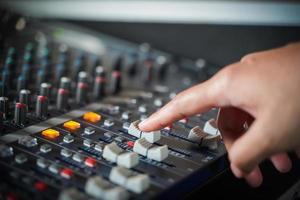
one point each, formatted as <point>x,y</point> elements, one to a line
<point>24,96</point>
<point>45,89</point>
<point>41,109</point>
<point>99,83</point>
<point>147,70</point>
<point>4,107</point>
<point>62,99</point>
<point>65,83</point>
<point>20,114</point>
<point>82,88</point>
<point>116,76</point>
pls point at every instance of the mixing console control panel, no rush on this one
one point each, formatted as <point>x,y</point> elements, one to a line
<point>70,104</point>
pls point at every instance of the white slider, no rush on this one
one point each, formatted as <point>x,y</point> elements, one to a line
<point>158,153</point>
<point>141,146</point>
<point>99,188</point>
<point>125,178</point>
<point>196,134</point>
<point>119,175</point>
<point>116,193</point>
<point>210,127</point>
<point>134,129</point>
<point>151,137</point>
<point>95,186</point>
<point>111,152</point>
<point>138,183</point>
<point>128,159</point>
<point>204,138</point>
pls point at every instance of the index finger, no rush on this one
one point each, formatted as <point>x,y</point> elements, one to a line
<point>197,99</point>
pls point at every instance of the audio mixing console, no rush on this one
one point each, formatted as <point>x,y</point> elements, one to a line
<point>71,100</point>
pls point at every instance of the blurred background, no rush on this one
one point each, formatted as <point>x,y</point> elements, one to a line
<point>219,31</point>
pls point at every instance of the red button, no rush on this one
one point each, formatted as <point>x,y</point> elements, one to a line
<point>130,144</point>
<point>66,173</point>
<point>40,186</point>
<point>90,162</point>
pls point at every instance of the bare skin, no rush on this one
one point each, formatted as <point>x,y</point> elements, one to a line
<point>263,90</point>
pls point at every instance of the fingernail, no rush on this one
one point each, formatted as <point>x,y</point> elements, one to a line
<point>236,171</point>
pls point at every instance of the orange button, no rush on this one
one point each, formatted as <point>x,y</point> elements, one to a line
<point>50,133</point>
<point>92,117</point>
<point>72,125</point>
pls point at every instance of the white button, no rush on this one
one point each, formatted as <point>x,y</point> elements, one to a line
<point>78,157</point>
<point>42,163</point>
<point>134,129</point>
<point>65,153</point>
<point>152,136</point>
<point>95,187</point>
<point>158,153</point>
<point>116,193</point>
<point>111,152</point>
<point>45,148</point>
<point>210,127</point>
<point>119,175</point>
<point>138,184</point>
<point>53,168</point>
<point>141,146</point>
<point>128,159</point>
<point>108,123</point>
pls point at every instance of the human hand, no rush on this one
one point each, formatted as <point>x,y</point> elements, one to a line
<point>262,90</point>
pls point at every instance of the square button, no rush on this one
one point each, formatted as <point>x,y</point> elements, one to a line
<point>71,125</point>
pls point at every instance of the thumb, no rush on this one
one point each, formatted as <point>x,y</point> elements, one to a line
<point>252,147</point>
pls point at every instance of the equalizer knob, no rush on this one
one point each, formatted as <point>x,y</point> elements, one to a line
<point>45,89</point>
<point>116,76</point>
<point>24,96</point>
<point>4,107</point>
<point>82,87</point>
<point>20,114</point>
<point>41,109</point>
<point>99,83</point>
<point>62,99</point>
<point>65,83</point>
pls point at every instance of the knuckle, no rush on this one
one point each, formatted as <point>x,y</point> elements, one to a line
<point>249,58</point>
<point>225,78</point>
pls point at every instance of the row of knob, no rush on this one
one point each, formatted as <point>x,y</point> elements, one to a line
<point>23,104</point>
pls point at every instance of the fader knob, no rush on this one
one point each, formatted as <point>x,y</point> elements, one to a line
<point>99,83</point>
<point>4,106</point>
<point>41,109</point>
<point>20,113</point>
